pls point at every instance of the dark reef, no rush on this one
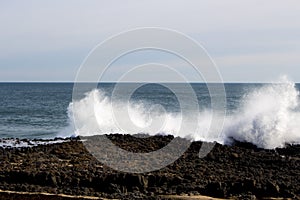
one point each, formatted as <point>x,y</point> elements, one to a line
<point>239,171</point>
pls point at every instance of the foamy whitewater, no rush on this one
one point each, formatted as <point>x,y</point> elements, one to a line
<point>267,116</point>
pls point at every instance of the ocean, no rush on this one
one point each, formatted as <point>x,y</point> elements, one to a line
<point>266,115</point>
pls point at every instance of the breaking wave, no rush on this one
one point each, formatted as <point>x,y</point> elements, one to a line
<point>267,116</point>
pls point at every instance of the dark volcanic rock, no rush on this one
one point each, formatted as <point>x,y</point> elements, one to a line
<point>215,188</point>
<point>241,170</point>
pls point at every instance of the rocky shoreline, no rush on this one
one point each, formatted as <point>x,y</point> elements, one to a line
<point>240,171</point>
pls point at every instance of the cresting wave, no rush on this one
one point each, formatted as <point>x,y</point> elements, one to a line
<point>267,117</point>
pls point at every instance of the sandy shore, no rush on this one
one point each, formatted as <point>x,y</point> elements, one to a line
<point>241,171</point>
<point>47,196</point>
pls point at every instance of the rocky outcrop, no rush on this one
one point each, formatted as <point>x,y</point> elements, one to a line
<point>240,171</point>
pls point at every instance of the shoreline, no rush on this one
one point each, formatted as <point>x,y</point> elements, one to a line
<point>238,171</point>
<point>48,196</point>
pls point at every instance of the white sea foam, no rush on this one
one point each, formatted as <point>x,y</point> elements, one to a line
<point>17,143</point>
<point>95,115</point>
<point>267,117</point>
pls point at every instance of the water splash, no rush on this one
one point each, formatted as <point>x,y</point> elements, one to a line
<point>268,117</point>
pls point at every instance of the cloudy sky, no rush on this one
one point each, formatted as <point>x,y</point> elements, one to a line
<point>249,40</point>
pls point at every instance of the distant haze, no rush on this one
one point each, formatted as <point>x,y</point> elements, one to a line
<point>250,40</point>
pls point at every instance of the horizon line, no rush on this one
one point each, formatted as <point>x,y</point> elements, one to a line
<point>72,82</point>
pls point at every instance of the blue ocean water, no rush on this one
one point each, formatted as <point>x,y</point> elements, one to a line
<point>42,110</point>
<point>39,110</point>
<point>33,110</point>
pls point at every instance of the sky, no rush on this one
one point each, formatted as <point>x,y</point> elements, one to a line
<point>249,40</point>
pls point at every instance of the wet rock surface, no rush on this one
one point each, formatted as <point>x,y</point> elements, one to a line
<point>240,170</point>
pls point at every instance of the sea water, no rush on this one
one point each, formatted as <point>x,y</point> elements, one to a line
<point>266,115</point>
